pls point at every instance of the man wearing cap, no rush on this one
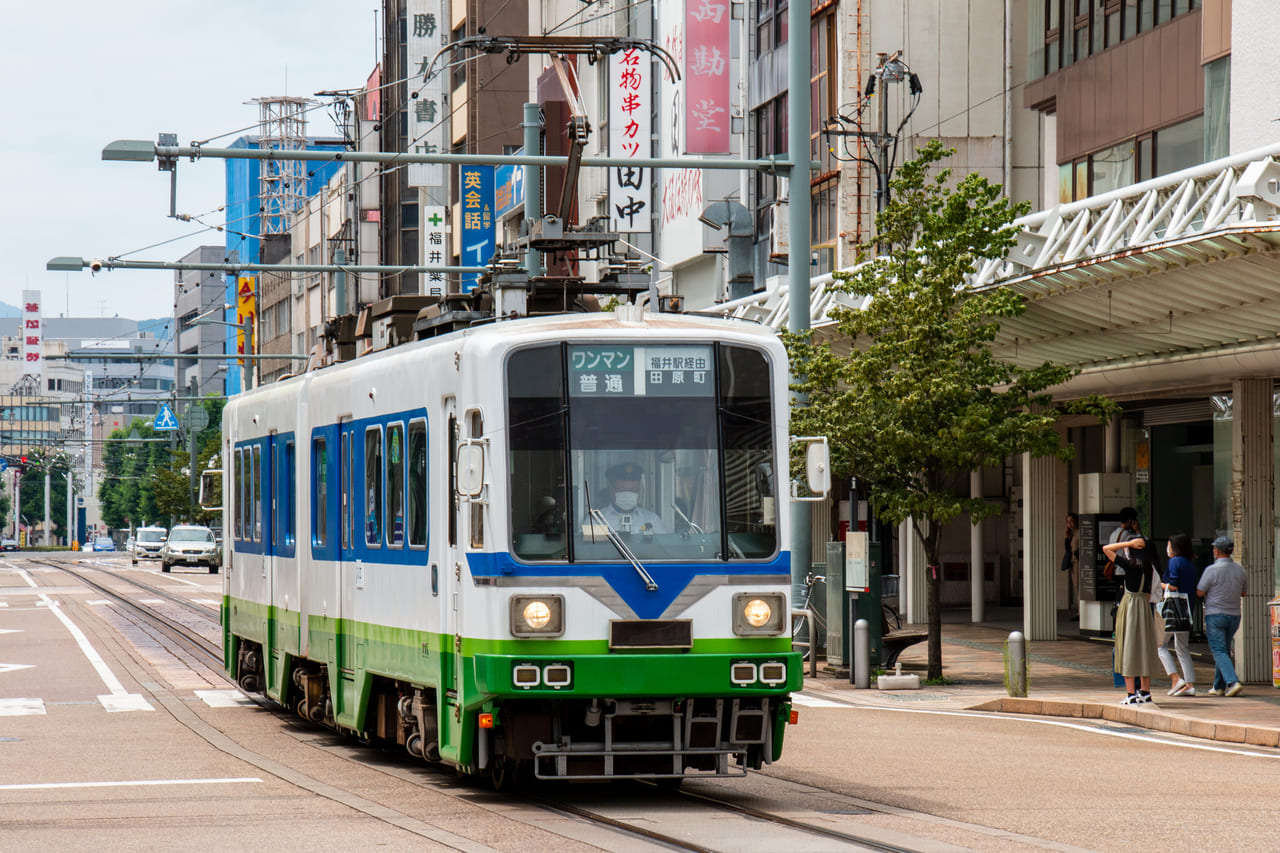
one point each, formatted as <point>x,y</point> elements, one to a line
<point>1222,586</point>
<point>624,513</point>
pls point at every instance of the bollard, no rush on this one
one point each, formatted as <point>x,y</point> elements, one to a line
<point>861,654</point>
<point>1015,665</point>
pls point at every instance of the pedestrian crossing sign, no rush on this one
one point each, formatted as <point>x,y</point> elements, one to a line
<point>165,421</point>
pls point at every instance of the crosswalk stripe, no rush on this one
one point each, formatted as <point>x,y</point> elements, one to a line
<point>21,707</point>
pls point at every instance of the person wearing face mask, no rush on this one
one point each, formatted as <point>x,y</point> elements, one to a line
<point>623,512</point>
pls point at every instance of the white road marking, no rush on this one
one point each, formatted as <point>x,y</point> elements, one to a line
<point>180,579</point>
<point>119,698</point>
<point>151,601</point>
<point>224,698</point>
<point>208,601</point>
<point>814,702</point>
<point>98,601</point>
<point>36,786</point>
<point>10,630</point>
<point>21,707</point>
<point>10,667</point>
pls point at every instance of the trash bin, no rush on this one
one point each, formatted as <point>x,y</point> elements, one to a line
<point>1274,606</point>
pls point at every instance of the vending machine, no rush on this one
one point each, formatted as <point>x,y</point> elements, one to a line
<point>1098,592</point>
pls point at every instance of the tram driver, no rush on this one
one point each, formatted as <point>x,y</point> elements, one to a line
<point>623,512</point>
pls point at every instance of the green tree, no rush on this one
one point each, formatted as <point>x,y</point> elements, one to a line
<point>31,491</point>
<point>919,398</point>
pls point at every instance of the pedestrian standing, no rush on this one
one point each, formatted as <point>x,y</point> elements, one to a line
<point>1135,655</point>
<point>1179,582</point>
<point>1222,587</point>
<point>1071,564</point>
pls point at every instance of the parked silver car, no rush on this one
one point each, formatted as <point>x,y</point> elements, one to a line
<point>191,545</point>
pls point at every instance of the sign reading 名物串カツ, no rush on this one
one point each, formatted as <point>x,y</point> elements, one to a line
<point>630,129</point>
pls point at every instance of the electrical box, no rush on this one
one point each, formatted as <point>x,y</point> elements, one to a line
<point>1105,493</point>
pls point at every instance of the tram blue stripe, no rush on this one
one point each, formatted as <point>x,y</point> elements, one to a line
<point>672,578</point>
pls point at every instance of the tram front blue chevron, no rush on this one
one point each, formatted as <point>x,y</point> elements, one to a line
<point>671,578</point>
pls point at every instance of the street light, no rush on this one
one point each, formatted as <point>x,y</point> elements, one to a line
<point>246,329</point>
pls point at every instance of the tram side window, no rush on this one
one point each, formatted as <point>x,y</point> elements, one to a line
<point>238,492</point>
<point>395,485</point>
<point>373,486</point>
<point>750,471</point>
<point>256,504</point>
<point>319,492</point>
<point>417,451</point>
<point>536,430</point>
<point>476,508</point>
<point>290,489</point>
<point>344,489</point>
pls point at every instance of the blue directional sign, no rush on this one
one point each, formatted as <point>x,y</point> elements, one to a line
<point>4,464</point>
<point>165,421</point>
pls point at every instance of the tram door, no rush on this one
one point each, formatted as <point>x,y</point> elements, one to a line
<point>450,574</point>
<point>347,569</point>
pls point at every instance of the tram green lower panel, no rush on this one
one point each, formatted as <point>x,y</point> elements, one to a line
<point>637,675</point>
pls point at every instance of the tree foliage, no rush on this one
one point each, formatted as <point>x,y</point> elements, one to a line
<point>146,481</point>
<point>919,397</point>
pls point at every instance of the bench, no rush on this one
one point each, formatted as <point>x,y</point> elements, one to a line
<point>892,644</point>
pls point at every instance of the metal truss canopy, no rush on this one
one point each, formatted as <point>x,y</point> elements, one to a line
<point>1154,285</point>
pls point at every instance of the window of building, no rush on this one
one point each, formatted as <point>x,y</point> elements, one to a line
<point>1217,108</point>
<point>1076,29</point>
<point>1180,146</point>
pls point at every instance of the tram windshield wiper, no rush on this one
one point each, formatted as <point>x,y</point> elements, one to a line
<point>598,518</point>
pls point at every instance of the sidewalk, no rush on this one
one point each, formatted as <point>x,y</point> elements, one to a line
<point>1069,677</point>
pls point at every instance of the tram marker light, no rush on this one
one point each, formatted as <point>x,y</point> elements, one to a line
<point>486,721</point>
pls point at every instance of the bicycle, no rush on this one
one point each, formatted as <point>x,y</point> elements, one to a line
<point>800,628</point>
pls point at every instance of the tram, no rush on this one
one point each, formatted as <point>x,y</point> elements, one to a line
<point>545,548</point>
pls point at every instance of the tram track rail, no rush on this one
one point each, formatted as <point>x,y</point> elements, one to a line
<point>545,801</point>
<point>183,633</point>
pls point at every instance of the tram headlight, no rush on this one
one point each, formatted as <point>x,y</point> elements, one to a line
<point>756,614</point>
<point>537,615</point>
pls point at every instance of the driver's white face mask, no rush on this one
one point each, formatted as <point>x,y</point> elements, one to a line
<point>626,501</point>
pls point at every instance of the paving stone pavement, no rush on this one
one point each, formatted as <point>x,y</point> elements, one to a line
<point>1068,677</point>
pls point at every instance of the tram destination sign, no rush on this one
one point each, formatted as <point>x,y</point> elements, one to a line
<point>650,371</point>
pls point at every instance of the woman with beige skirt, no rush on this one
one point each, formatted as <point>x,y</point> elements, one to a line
<point>1135,656</point>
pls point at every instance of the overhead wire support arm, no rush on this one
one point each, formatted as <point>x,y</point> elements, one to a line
<point>593,48</point>
<point>142,151</point>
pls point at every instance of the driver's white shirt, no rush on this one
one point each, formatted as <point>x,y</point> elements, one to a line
<point>638,520</point>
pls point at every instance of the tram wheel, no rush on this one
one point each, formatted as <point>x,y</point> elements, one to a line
<point>508,775</point>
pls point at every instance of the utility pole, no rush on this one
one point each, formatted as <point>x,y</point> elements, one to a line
<point>191,422</point>
<point>48,483</point>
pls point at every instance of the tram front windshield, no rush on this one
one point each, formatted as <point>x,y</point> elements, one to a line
<point>664,450</point>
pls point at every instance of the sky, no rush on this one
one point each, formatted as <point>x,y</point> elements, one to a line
<point>83,73</point>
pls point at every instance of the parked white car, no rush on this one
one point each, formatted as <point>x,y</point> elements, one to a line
<point>147,542</point>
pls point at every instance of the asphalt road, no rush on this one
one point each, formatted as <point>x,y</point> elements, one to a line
<point>139,746</point>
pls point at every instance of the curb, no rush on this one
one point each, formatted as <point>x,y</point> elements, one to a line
<point>1147,718</point>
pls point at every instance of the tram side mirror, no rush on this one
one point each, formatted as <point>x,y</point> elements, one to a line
<point>470,468</point>
<point>211,489</point>
<point>818,467</point>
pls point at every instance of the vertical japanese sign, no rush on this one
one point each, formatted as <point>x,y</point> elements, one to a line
<point>433,246</point>
<point>630,129</point>
<point>424,38</point>
<point>32,334</point>
<point>706,70</point>
<point>477,202</point>
<point>681,190</point>
<point>245,314</point>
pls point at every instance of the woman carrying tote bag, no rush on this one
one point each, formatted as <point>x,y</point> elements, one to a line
<point>1179,586</point>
